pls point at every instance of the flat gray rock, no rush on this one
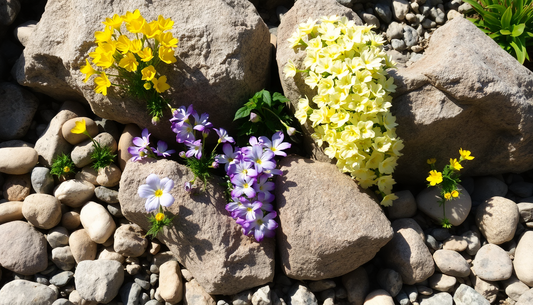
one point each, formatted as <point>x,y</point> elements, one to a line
<point>22,292</point>
<point>99,280</point>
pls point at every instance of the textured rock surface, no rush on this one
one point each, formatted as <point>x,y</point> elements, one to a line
<point>497,218</point>
<point>22,292</point>
<point>129,240</point>
<point>465,295</point>
<point>42,210</point>
<point>18,108</point>
<point>22,248</point>
<point>492,263</point>
<point>328,225</point>
<point>11,210</point>
<point>100,280</point>
<point>407,253</point>
<point>223,56</point>
<point>17,160</point>
<point>456,98</point>
<point>295,87</point>
<point>523,265</point>
<point>456,210</point>
<point>204,238</point>
<point>97,221</point>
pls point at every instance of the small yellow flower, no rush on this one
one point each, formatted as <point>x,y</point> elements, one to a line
<point>455,164</point>
<point>102,83</point>
<point>434,177</point>
<point>147,86</point>
<point>455,194</point>
<point>148,73</point>
<point>80,127</point>
<point>431,161</point>
<point>167,55</point>
<point>87,70</point>
<point>164,24</point>
<point>150,30</point>
<point>465,154</point>
<point>114,22</point>
<point>129,62</point>
<point>447,196</point>
<point>104,36</point>
<point>160,85</point>
<point>159,216</point>
<point>66,169</point>
<point>167,40</point>
<point>146,54</point>
<point>388,199</point>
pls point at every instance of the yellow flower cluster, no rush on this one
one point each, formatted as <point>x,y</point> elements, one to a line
<point>135,55</point>
<point>347,66</point>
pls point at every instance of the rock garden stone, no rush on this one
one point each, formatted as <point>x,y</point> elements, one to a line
<point>89,174</point>
<point>442,282</point>
<point>109,176</point>
<point>74,193</point>
<point>110,254</point>
<point>525,209</point>
<point>97,222</point>
<point>81,153</point>
<point>403,207</point>
<point>57,237</point>
<point>17,160</point>
<point>379,297</point>
<point>390,281</point>
<point>106,195</point>
<point>307,193</point>
<point>130,241</point>
<point>300,295</point>
<point>489,290</point>
<point>523,265</point>
<point>195,294</point>
<point>383,11</point>
<point>22,292</point>
<point>203,236</point>
<point>357,285</point>
<point>321,285</point>
<point>497,218</point>
<point>455,243</point>
<point>76,138</point>
<point>81,245</point>
<point>473,242</point>
<point>42,210</point>
<point>521,188</point>
<point>22,248</point>
<point>410,36</point>
<point>492,263</point>
<point>71,220</point>
<point>11,210</point>
<point>24,31</point>
<point>62,278</point>
<point>488,187</point>
<point>16,187</point>
<point>456,210</point>
<point>451,263</point>
<point>99,281</point>
<point>170,282</point>
<point>52,144</point>
<point>18,108</point>
<point>407,253</point>
<point>526,298</point>
<point>199,75</point>
<point>63,258</point>
<point>398,44</point>
<point>41,180</point>
<point>395,31</point>
<point>466,295</point>
<point>514,288</point>
<point>126,140</point>
<point>370,19</point>
<point>441,298</point>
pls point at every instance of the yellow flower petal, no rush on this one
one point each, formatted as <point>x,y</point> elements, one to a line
<point>79,128</point>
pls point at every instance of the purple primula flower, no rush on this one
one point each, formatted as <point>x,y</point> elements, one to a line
<point>144,141</point>
<point>137,153</point>
<point>201,123</point>
<point>162,149</point>
<point>272,172</point>
<point>156,192</point>
<point>187,186</point>
<point>223,136</point>
<point>263,226</point>
<point>243,185</point>
<point>181,114</point>
<point>248,210</point>
<point>235,204</point>
<point>228,157</point>
<point>184,132</point>
<point>195,149</point>
<point>261,159</point>
<point>263,186</point>
<point>276,145</point>
<point>244,169</point>
<point>255,141</point>
<point>254,118</point>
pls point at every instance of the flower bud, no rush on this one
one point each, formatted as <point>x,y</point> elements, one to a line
<point>291,131</point>
<point>182,154</point>
<point>214,164</point>
<point>254,118</point>
<point>188,187</point>
<point>155,120</point>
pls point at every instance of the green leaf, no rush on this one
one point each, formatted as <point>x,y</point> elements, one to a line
<point>520,56</point>
<point>494,35</point>
<point>518,29</point>
<point>478,8</point>
<point>279,97</point>
<point>242,113</point>
<point>266,97</point>
<point>500,8</point>
<point>506,18</point>
<point>529,34</point>
<point>505,32</point>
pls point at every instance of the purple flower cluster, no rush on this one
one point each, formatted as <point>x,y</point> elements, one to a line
<point>186,122</point>
<point>143,150</point>
<point>250,169</point>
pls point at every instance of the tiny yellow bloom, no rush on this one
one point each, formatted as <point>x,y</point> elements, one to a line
<point>164,24</point>
<point>102,83</point>
<point>87,70</point>
<point>447,196</point>
<point>114,22</point>
<point>150,30</point>
<point>66,169</point>
<point>289,69</point>
<point>388,199</point>
<point>434,177</point>
<point>131,16</point>
<point>465,154</point>
<point>159,216</point>
<point>147,86</point>
<point>136,25</point>
<point>146,54</point>
<point>160,85</point>
<point>455,194</point>
<point>148,73</point>
<point>167,55</point>
<point>129,62</point>
<point>104,36</point>
<point>123,44</point>
<point>136,46</point>
<point>455,164</point>
<point>431,161</point>
<point>79,128</point>
<point>167,40</point>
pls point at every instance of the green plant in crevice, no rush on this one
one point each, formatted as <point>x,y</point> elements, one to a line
<point>62,166</point>
<point>102,156</point>
<point>508,22</point>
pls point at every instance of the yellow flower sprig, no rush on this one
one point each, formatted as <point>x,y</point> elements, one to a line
<point>347,66</point>
<point>447,181</point>
<point>102,156</point>
<point>130,49</point>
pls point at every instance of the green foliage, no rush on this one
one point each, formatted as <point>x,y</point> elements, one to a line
<point>157,226</point>
<point>200,168</point>
<point>102,156</point>
<point>62,166</point>
<point>272,115</point>
<point>508,22</point>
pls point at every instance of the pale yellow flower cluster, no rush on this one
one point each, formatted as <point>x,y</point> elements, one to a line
<point>139,52</point>
<point>350,113</point>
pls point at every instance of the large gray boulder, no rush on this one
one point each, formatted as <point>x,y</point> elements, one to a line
<point>203,236</point>
<point>329,225</point>
<point>223,57</point>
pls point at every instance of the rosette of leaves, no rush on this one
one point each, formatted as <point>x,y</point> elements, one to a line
<point>62,166</point>
<point>508,22</point>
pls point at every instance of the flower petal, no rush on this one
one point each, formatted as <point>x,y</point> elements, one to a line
<point>145,191</point>
<point>153,181</point>
<point>167,184</point>
<point>166,200</point>
<point>151,204</point>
